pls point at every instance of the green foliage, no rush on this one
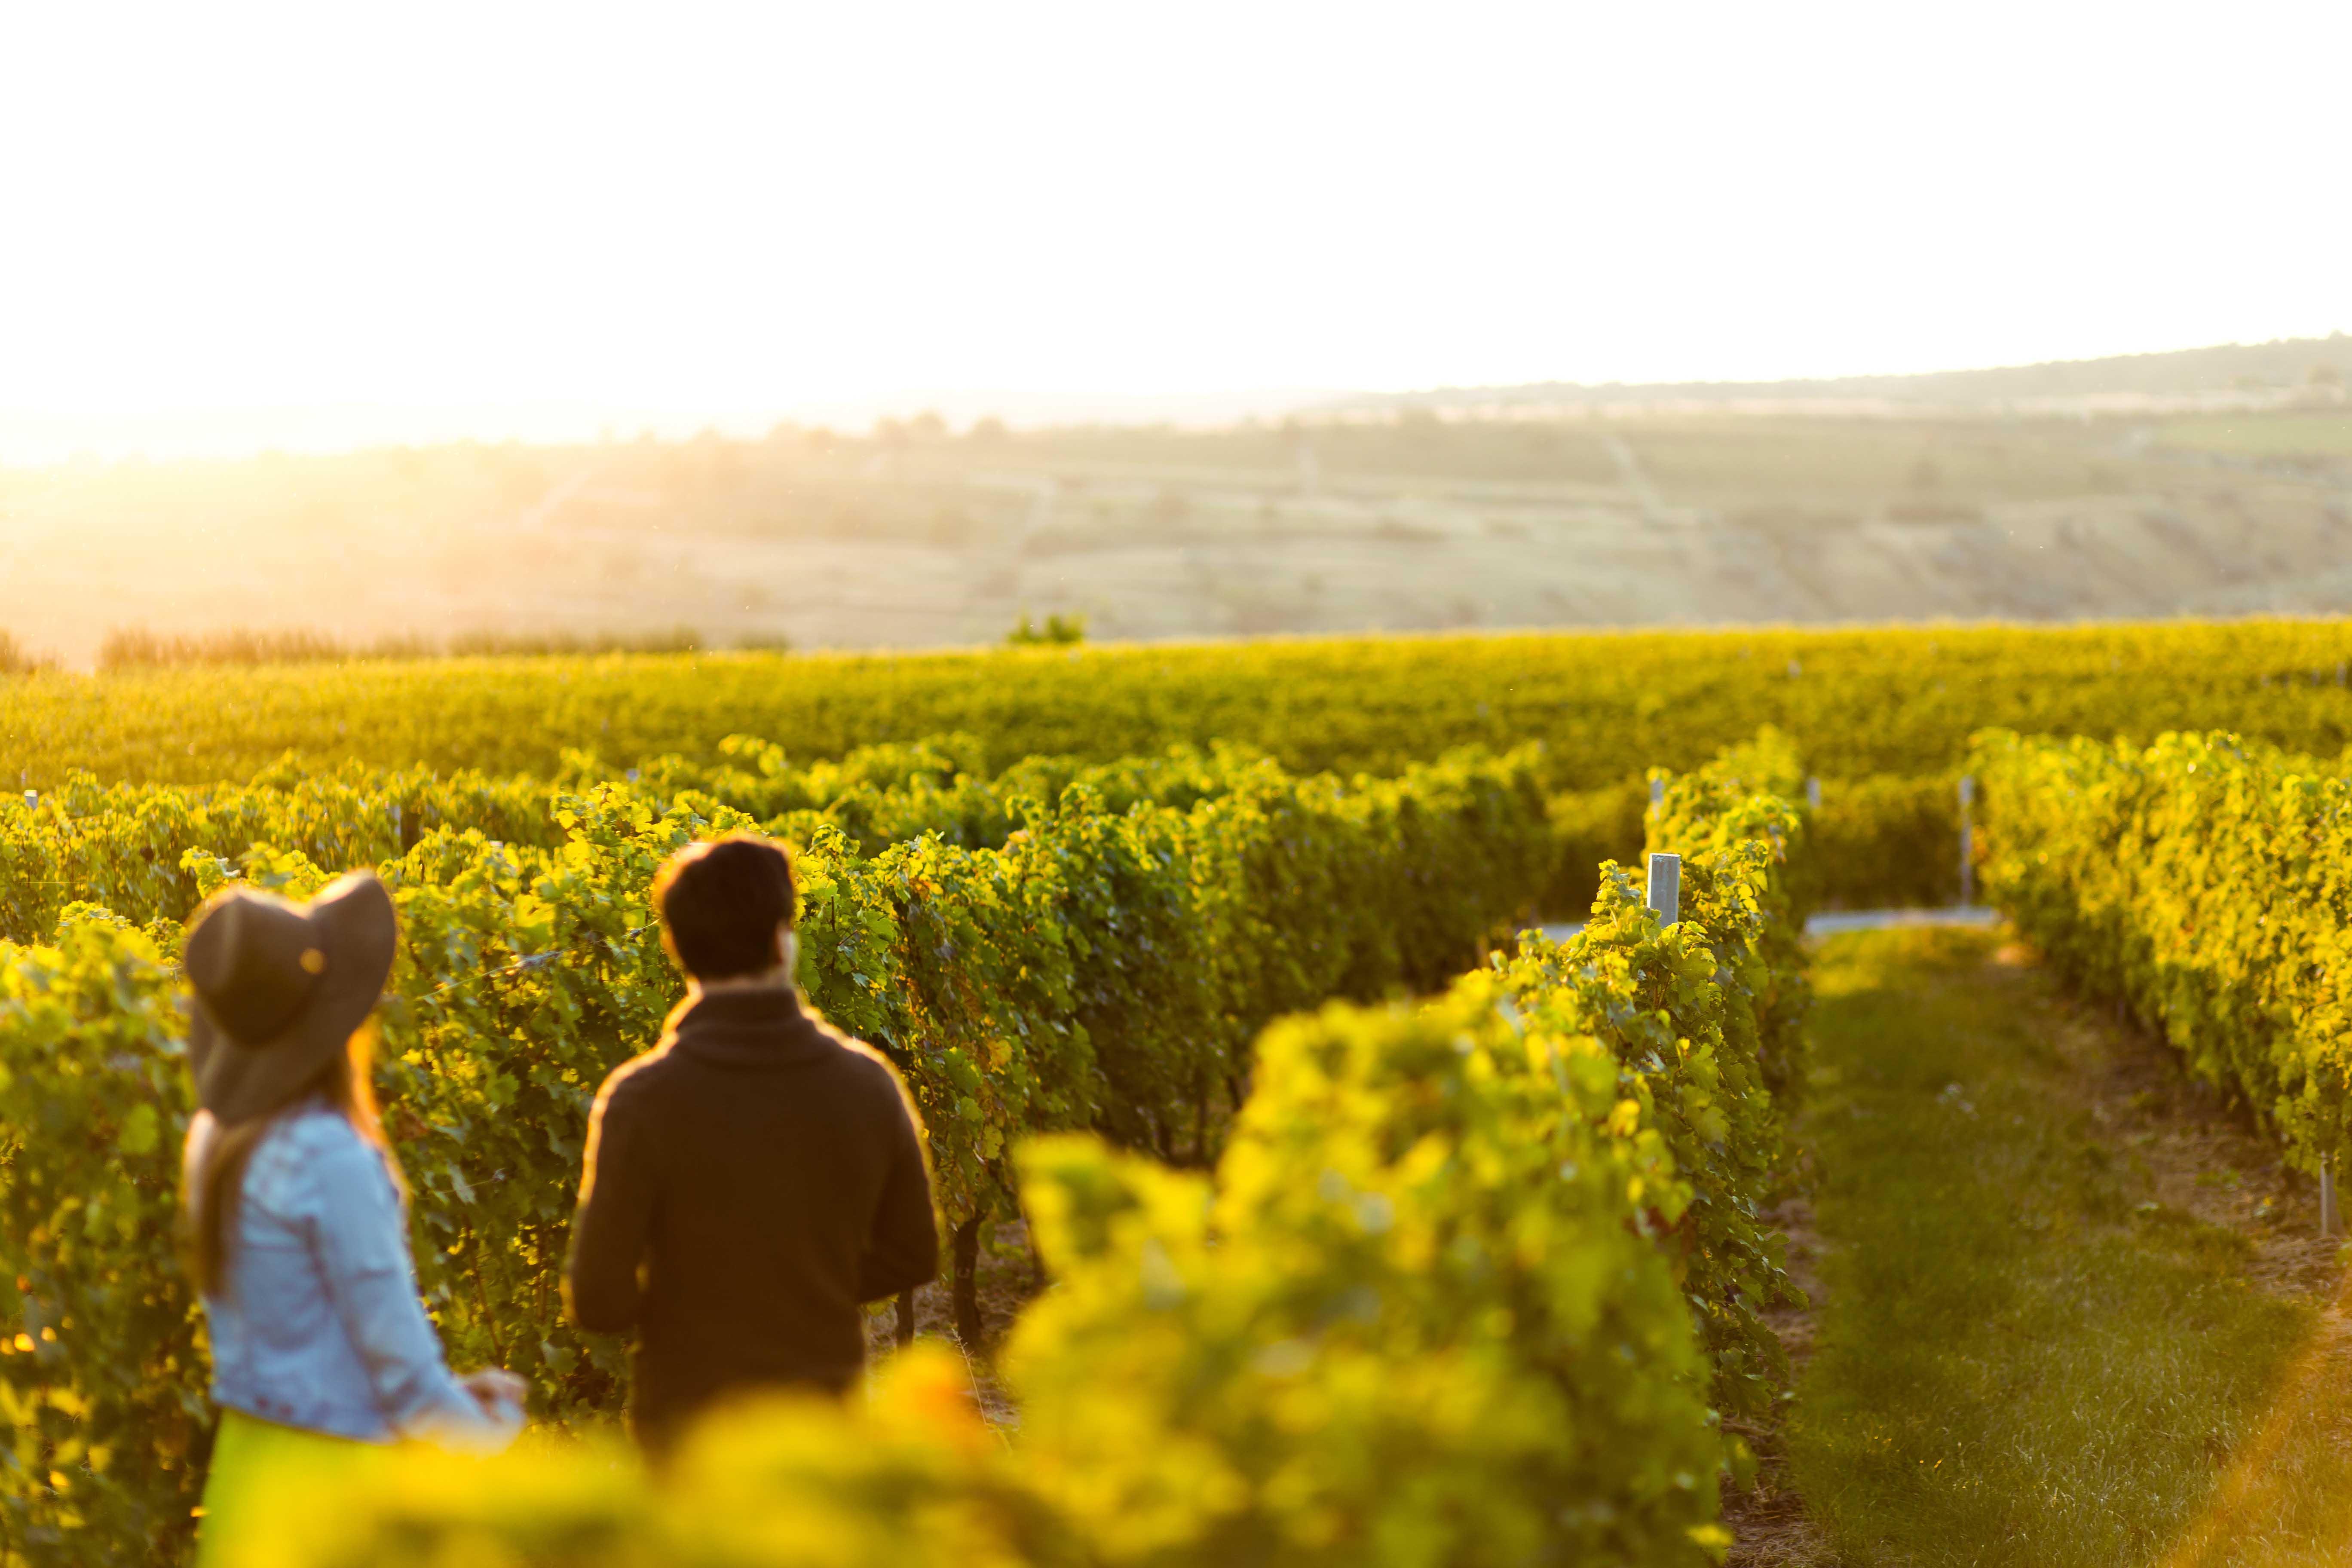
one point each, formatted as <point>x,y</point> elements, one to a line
<point>1677,1011</point>
<point>910,1475</point>
<point>1737,821</point>
<point>1705,1020</point>
<point>1885,842</point>
<point>1099,968</point>
<point>1377,1334</point>
<point>1606,705</point>
<point>886,794</point>
<point>101,1378</point>
<point>2203,882</point>
<point>1589,826</point>
<point>1447,1297</point>
<point>136,848</point>
<point>1059,631</point>
<point>1417,1318</point>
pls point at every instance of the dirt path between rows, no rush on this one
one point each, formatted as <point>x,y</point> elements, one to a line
<point>1768,1524</point>
<point>2184,1148</point>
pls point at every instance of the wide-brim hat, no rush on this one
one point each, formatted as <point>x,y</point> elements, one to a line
<point>281,987</point>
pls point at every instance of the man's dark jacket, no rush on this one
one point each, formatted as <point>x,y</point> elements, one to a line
<point>765,1173</point>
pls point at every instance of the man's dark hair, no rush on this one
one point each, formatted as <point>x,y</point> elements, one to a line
<point>720,904</point>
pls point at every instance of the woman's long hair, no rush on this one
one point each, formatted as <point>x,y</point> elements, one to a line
<point>217,1154</point>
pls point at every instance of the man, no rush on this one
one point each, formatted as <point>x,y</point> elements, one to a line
<point>752,1179</point>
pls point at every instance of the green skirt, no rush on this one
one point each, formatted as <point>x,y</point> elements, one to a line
<point>254,1463</point>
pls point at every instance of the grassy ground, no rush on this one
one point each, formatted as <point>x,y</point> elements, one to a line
<point>2071,1309</point>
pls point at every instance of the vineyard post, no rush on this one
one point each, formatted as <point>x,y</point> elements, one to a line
<point>1967,840</point>
<point>1657,792</point>
<point>1813,793</point>
<point>1665,890</point>
<point>2328,1223</point>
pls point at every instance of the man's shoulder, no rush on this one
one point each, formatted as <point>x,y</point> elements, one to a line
<point>857,1049</point>
<point>863,1062</point>
<point>639,1078</point>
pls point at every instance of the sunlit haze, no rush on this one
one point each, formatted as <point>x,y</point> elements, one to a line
<point>316,226</point>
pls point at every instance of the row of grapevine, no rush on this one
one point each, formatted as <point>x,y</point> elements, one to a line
<point>136,848</point>
<point>1459,1291</point>
<point>1874,842</point>
<point>2203,882</point>
<point>1887,841</point>
<point>1099,970</point>
<point>129,846</point>
<point>1607,705</point>
<point>1736,1039</point>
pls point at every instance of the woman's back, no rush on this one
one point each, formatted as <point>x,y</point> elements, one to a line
<point>318,1324</point>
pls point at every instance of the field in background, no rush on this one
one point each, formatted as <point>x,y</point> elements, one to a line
<point>913,535</point>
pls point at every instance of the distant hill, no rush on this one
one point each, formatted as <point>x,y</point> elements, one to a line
<point>2286,363</point>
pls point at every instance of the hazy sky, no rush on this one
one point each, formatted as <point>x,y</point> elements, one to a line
<point>236,227</point>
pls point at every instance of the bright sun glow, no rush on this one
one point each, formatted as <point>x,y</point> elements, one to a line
<point>231,228</point>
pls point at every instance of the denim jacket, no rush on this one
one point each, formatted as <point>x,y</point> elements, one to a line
<point>319,1326</point>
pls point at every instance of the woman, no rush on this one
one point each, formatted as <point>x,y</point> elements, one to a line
<point>295,1211</point>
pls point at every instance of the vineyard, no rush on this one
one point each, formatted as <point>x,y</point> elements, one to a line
<point>1883,718</point>
<point>1606,706</point>
<point>2204,884</point>
<point>1371,1230</point>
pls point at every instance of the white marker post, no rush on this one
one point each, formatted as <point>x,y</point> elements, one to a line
<point>2328,1223</point>
<point>1665,890</point>
<point>1967,840</point>
<point>1813,793</point>
<point>1657,792</point>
